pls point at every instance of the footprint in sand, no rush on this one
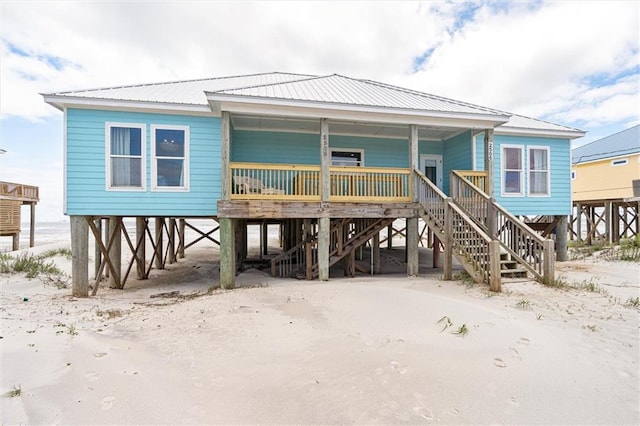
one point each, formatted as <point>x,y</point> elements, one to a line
<point>100,354</point>
<point>401,369</point>
<point>523,341</point>
<point>107,402</point>
<point>514,353</point>
<point>421,409</point>
<point>499,363</point>
<point>92,376</point>
<point>514,401</point>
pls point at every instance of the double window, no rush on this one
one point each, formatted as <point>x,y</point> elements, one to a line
<point>126,157</point>
<point>513,170</point>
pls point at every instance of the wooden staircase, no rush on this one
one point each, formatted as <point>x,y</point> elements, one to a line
<point>522,250</point>
<point>346,236</point>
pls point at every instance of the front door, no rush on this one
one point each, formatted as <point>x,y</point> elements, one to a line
<point>431,166</point>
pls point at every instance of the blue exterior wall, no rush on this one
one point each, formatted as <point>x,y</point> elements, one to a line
<point>86,167</point>
<point>559,201</point>
<point>304,148</point>
<point>457,155</point>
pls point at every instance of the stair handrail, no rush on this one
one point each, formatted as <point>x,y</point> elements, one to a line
<point>281,265</point>
<point>524,244</point>
<point>430,198</point>
<point>478,252</point>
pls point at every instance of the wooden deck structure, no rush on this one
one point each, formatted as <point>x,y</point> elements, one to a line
<point>12,197</point>
<point>605,220</point>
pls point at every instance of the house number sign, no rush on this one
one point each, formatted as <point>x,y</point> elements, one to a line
<point>490,150</point>
<point>325,145</point>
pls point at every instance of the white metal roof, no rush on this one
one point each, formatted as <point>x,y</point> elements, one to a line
<point>338,90</point>
<point>179,92</point>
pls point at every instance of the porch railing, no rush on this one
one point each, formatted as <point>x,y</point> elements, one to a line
<point>251,181</point>
<point>525,246</point>
<point>478,178</point>
<point>18,191</point>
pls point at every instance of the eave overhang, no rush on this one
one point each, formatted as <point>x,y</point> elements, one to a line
<point>519,131</point>
<point>371,114</point>
<point>61,102</point>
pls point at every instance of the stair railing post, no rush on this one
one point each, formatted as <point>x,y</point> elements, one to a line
<point>548,267</point>
<point>494,266</point>
<point>492,219</point>
<point>448,240</point>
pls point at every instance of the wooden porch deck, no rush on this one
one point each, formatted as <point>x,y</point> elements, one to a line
<point>12,197</point>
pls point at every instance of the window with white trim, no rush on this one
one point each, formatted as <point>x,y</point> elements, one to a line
<point>125,156</point>
<point>169,157</point>
<point>512,170</point>
<point>347,157</point>
<point>620,162</point>
<point>538,170</point>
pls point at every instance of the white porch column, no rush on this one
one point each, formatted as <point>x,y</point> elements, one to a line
<point>488,160</point>
<point>413,153</point>
<point>325,160</point>
<point>225,153</point>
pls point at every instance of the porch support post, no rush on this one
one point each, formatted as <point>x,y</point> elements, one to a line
<point>32,225</point>
<point>97,254</point>
<point>115,254</point>
<point>376,253</point>
<point>264,238</point>
<point>324,225</point>
<point>172,240</point>
<point>578,222</point>
<point>607,221</point>
<point>325,160</point>
<point>488,161</point>
<point>181,228</point>
<point>412,247</point>
<point>159,245</point>
<point>79,256</point>
<point>227,253</point>
<point>225,154</point>
<point>562,231</point>
<point>141,227</point>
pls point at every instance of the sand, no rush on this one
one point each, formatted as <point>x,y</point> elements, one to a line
<point>364,350</point>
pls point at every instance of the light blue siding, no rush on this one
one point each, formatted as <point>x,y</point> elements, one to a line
<point>304,148</point>
<point>559,201</point>
<point>457,156</point>
<point>86,167</point>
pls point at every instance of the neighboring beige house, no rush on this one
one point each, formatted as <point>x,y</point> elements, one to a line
<point>606,169</point>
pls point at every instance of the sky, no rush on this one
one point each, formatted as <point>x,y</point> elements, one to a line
<point>574,63</point>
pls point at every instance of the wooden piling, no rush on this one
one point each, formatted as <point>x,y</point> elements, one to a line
<point>79,256</point>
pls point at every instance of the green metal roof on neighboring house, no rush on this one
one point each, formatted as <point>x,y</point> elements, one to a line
<point>619,144</point>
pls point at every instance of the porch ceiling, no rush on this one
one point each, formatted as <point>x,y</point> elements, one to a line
<point>337,127</point>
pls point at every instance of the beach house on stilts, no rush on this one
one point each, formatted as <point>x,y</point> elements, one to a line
<point>334,160</point>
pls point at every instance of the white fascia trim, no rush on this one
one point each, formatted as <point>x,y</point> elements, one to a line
<point>61,102</point>
<point>514,131</point>
<point>281,107</point>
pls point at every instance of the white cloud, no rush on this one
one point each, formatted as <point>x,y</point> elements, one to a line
<point>534,61</point>
<point>531,58</point>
